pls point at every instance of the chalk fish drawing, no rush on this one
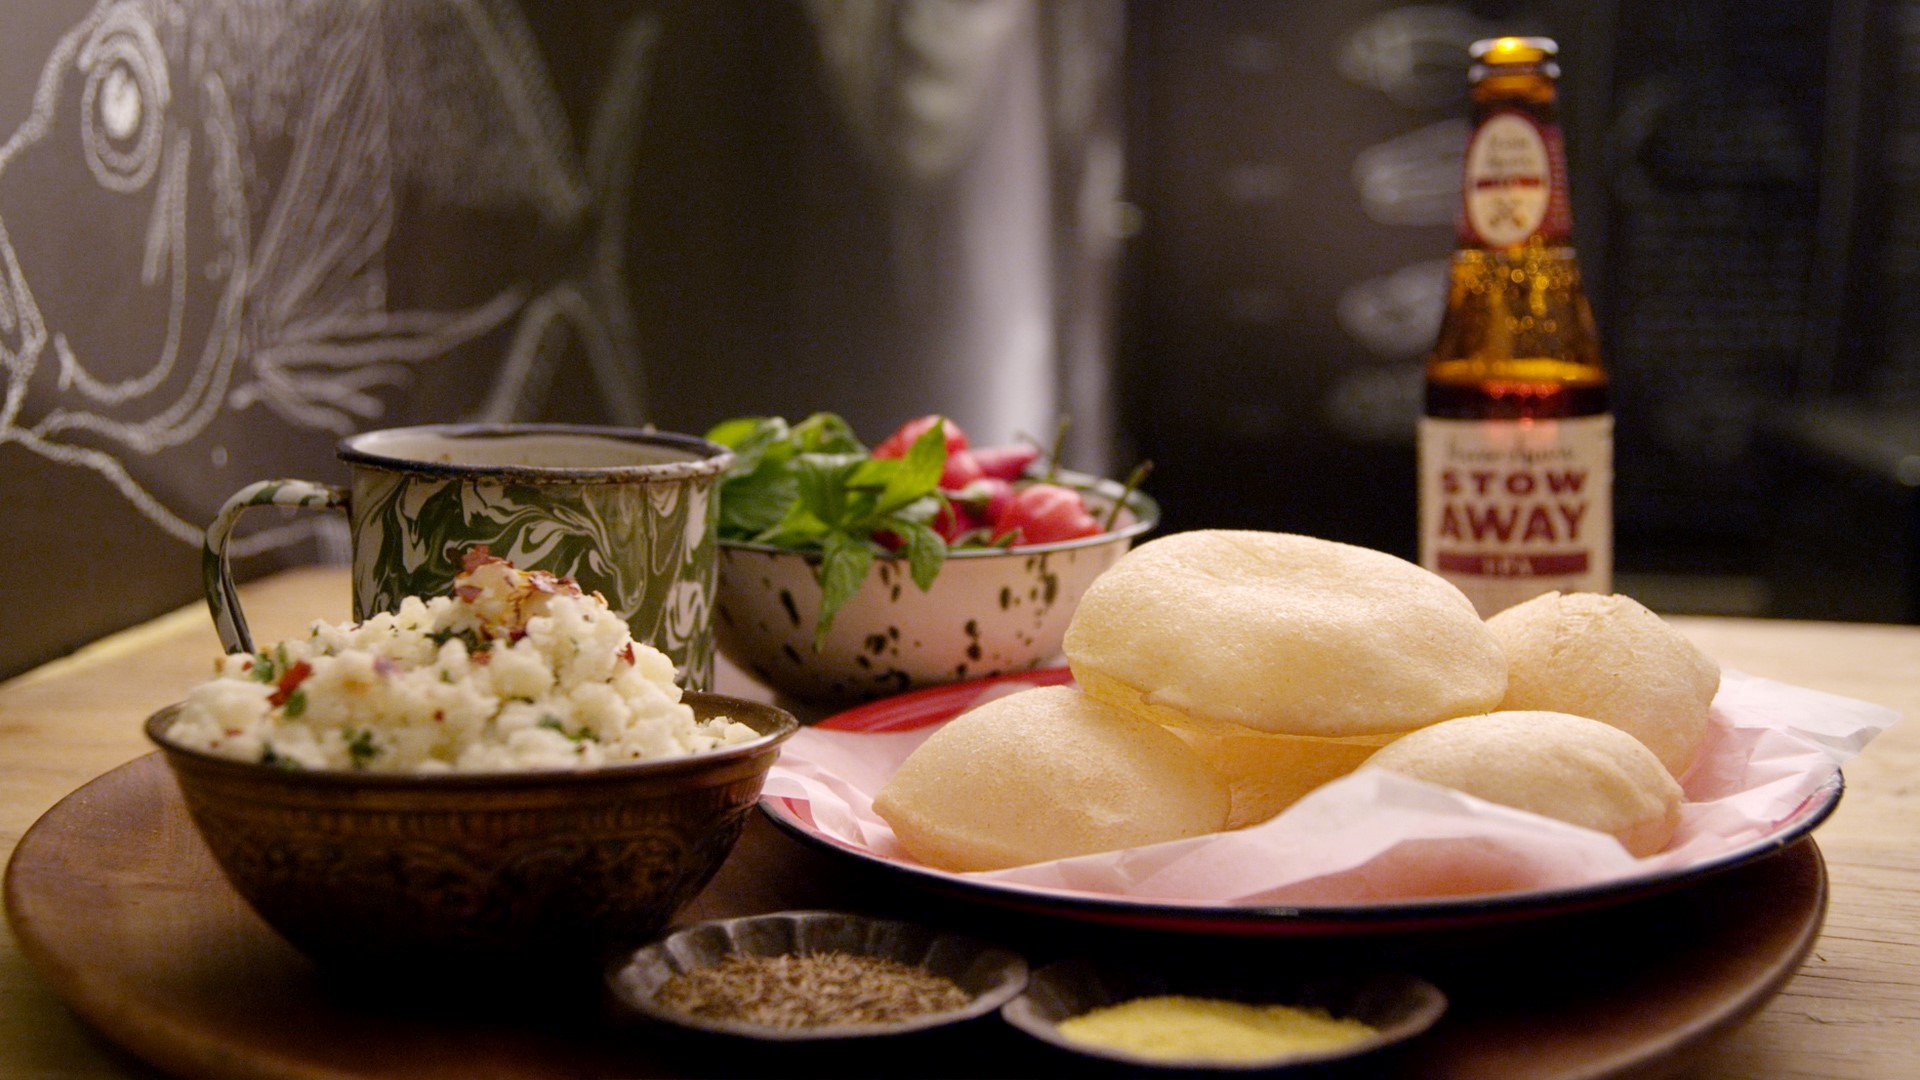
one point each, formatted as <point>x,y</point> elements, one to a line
<point>306,207</point>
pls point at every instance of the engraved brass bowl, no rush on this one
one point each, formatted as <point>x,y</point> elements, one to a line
<point>460,872</point>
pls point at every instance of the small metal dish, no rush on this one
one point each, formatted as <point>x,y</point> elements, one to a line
<point>1397,1006</point>
<point>988,974</point>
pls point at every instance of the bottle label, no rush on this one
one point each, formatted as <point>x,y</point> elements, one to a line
<point>1510,509</point>
<point>1511,189</point>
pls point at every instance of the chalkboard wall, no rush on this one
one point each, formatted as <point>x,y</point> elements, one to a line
<point>1211,231</point>
<point>233,231</point>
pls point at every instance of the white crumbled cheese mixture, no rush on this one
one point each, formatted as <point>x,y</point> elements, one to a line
<point>517,670</point>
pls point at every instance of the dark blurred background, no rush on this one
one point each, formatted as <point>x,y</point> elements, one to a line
<point>1747,208</point>
<point>1212,231</point>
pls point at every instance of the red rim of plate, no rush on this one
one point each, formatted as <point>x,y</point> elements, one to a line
<point>919,708</point>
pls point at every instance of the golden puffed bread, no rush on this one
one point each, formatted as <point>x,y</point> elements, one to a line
<point>1609,658</point>
<point>1267,772</point>
<point>1557,765</point>
<point>1047,773</point>
<point>1283,633</point>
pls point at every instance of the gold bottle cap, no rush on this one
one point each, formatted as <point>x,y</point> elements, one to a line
<point>1513,50</point>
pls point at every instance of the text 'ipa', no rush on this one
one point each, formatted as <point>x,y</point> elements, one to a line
<point>1516,443</point>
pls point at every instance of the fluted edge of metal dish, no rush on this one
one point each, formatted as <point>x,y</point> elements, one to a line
<point>990,975</point>
<point>1398,1006</point>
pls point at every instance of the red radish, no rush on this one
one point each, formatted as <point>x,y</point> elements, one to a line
<point>981,496</point>
<point>999,496</point>
<point>984,501</point>
<point>961,469</point>
<point>955,520</point>
<point>897,444</point>
<point>1005,462</point>
<point>1044,513</point>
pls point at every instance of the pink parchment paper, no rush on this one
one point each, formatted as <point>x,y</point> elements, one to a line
<point>1376,837</point>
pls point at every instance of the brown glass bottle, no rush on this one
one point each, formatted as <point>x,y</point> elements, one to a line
<point>1516,441</point>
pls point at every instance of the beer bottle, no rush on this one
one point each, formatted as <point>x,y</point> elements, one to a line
<point>1516,443</point>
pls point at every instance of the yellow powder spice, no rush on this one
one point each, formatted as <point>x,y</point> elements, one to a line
<point>1175,1027</point>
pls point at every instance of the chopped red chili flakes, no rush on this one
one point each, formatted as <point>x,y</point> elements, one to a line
<point>289,682</point>
<point>476,557</point>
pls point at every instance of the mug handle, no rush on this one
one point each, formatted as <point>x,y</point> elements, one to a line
<point>223,599</point>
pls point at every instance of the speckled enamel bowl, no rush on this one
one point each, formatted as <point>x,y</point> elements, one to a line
<point>988,612</point>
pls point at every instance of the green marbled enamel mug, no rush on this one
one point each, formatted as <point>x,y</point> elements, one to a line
<point>627,513</point>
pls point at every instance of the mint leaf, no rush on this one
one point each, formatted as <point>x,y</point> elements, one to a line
<point>844,560</point>
<point>825,433</point>
<point>926,553</point>
<point>757,488</point>
<point>920,511</point>
<point>814,486</point>
<point>753,505</point>
<point>823,484</point>
<point>917,474</point>
<point>748,437</point>
<point>798,528</point>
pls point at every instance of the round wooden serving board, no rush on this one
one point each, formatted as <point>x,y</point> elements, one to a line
<point>118,905</point>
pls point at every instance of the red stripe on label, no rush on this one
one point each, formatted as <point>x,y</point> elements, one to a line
<point>1454,562</point>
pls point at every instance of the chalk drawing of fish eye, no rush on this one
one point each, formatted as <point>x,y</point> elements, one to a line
<point>124,100</point>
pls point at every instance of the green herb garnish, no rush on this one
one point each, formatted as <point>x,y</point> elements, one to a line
<point>360,747</point>
<point>472,638</point>
<point>814,487</point>
<point>553,723</point>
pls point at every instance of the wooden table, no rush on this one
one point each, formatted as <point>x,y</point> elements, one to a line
<point>1853,1010</point>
